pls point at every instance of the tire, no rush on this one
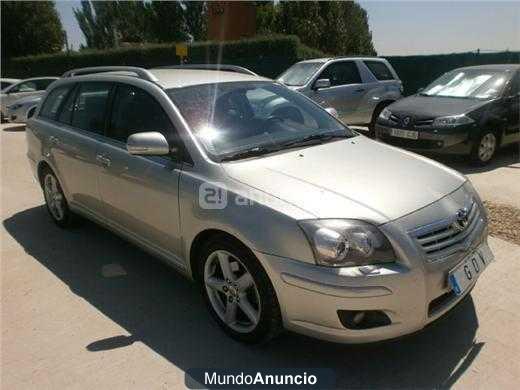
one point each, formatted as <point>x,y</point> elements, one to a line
<point>484,148</point>
<point>375,114</point>
<point>259,299</point>
<point>55,200</point>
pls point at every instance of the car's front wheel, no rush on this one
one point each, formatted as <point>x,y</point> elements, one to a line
<point>238,292</point>
<point>57,205</point>
<point>484,148</point>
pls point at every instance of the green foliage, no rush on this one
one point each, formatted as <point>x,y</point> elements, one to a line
<point>336,27</point>
<point>30,27</point>
<point>111,24</point>
<point>267,55</point>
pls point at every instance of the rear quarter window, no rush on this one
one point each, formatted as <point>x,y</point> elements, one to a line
<point>53,102</point>
<point>380,70</point>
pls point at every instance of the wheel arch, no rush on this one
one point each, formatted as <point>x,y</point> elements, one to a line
<point>204,236</point>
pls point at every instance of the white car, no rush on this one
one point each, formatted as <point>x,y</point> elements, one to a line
<point>22,109</point>
<point>4,83</point>
<point>24,88</point>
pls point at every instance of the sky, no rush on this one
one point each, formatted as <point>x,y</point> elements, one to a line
<point>411,27</point>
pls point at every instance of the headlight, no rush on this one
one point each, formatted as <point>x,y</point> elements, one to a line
<point>452,121</point>
<point>385,114</point>
<point>343,242</point>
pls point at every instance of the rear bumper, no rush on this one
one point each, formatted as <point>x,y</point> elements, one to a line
<point>456,142</point>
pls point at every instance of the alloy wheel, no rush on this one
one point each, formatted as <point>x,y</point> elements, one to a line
<point>487,147</point>
<point>232,291</point>
<point>54,197</point>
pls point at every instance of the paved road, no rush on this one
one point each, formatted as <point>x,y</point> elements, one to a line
<point>84,309</point>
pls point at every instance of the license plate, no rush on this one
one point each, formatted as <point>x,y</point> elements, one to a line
<point>404,133</point>
<point>467,272</point>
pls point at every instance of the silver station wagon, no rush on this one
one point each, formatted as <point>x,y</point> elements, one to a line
<point>285,217</point>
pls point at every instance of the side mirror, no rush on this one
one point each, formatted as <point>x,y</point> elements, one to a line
<point>322,83</point>
<point>151,143</point>
<point>332,111</point>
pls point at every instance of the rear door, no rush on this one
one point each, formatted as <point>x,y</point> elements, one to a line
<point>140,193</point>
<point>80,127</point>
<point>345,92</point>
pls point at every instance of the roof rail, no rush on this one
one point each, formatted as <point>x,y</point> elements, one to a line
<point>227,68</point>
<point>140,72</point>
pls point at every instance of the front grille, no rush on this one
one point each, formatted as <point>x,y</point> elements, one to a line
<point>415,122</point>
<point>444,237</point>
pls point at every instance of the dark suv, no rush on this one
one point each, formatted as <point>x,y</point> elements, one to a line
<point>471,111</point>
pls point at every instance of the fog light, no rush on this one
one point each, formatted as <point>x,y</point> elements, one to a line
<point>363,319</point>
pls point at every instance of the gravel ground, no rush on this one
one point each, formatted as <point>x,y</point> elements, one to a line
<point>504,221</point>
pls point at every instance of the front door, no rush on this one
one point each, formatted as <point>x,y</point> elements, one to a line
<point>512,103</point>
<point>346,90</point>
<point>140,193</point>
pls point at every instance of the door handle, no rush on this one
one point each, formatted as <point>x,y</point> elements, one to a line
<point>105,161</point>
<point>360,90</point>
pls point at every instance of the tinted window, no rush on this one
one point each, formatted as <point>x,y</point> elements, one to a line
<point>90,107</point>
<point>341,73</point>
<point>42,84</point>
<point>28,86</point>
<point>68,108</point>
<point>52,104</point>
<point>5,84</point>
<point>135,111</point>
<point>379,70</point>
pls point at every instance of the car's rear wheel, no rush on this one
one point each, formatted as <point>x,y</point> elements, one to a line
<point>484,148</point>
<point>55,201</point>
<point>238,292</point>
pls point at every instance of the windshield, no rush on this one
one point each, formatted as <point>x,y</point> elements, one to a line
<point>300,73</point>
<point>468,83</point>
<point>229,118</point>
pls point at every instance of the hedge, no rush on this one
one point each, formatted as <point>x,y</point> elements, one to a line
<point>265,55</point>
<point>418,71</point>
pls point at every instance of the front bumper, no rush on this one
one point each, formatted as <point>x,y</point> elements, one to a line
<point>412,292</point>
<point>452,141</point>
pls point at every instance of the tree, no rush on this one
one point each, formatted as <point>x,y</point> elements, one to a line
<point>169,22</point>
<point>107,24</point>
<point>196,16</point>
<point>30,27</point>
<point>336,27</point>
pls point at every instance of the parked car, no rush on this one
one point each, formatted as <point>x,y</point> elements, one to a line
<point>358,88</point>
<point>28,87</point>
<point>4,83</point>
<point>284,216</point>
<point>22,109</point>
<point>470,111</point>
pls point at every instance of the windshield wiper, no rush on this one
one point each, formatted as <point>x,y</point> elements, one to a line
<point>313,139</point>
<point>253,152</point>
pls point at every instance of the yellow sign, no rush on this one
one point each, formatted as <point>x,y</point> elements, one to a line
<point>181,49</point>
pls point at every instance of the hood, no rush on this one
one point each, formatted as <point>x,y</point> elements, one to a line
<point>354,178</point>
<point>429,107</point>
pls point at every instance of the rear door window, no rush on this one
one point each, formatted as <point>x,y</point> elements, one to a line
<point>91,106</point>
<point>53,102</point>
<point>342,73</point>
<point>379,70</point>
